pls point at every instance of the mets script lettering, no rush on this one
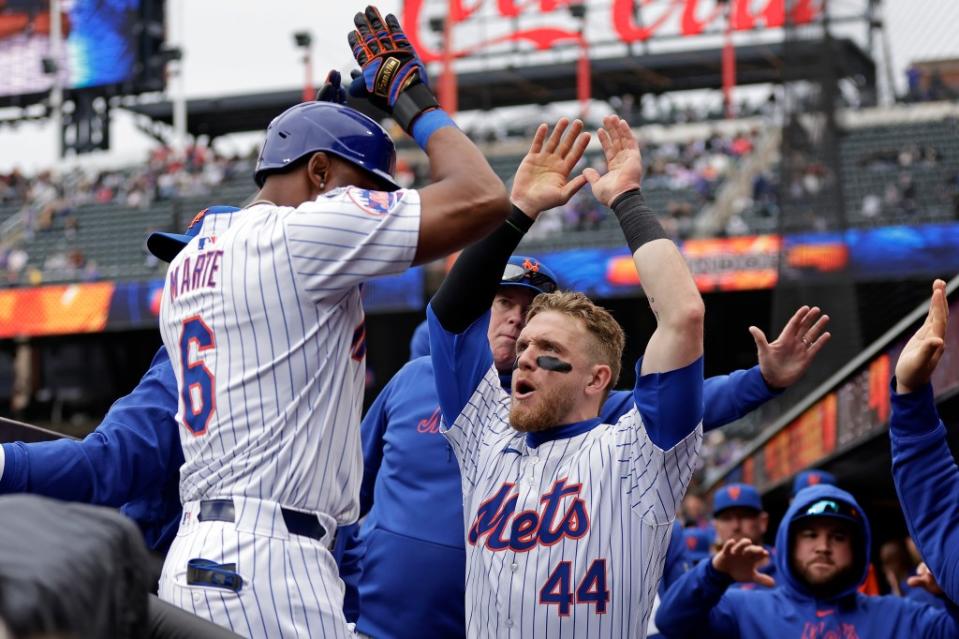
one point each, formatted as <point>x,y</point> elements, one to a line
<point>562,515</point>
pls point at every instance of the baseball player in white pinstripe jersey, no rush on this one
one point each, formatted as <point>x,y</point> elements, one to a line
<point>262,317</point>
<point>567,518</point>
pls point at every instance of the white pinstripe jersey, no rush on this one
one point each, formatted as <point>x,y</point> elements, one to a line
<point>263,321</point>
<point>567,538</point>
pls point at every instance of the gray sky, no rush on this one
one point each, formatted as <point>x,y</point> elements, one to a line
<point>239,46</point>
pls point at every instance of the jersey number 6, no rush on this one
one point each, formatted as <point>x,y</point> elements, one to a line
<point>196,393</point>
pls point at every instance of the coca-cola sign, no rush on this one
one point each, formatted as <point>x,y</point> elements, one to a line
<point>554,25</point>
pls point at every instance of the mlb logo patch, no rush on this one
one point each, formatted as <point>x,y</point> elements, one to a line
<point>377,203</point>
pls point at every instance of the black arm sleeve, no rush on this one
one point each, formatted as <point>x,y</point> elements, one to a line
<point>469,288</point>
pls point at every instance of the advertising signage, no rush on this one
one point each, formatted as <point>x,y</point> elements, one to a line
<point>480,26</point>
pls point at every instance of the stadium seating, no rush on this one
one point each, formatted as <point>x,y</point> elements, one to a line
<point>896,169</point>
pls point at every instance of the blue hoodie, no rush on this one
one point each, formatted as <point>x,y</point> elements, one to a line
<point>701,603</point>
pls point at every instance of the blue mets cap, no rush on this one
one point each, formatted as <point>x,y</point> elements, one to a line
<point>808,478</point>
<point>166,246</point>
<point>699,542</point>
<point>736,496</point>
<point>528,272</point>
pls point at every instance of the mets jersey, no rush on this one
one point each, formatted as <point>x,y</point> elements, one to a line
<point>566,529</point>
<point>262,317</point>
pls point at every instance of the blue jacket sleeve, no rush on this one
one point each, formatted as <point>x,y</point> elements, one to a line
<point>348,550</point>
<point>372,431</point>
<point>677,563</point>
<point>727,398</point>
<point>129,455</point>
<point>348,553</point>
<point>933,621</point>
<point>927,482</point>
<point>670,403</point>
<point>460,360</point>
<point>697,605</point>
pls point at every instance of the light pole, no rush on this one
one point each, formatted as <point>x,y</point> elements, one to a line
<point>56,56</point>
<point>304,40</point>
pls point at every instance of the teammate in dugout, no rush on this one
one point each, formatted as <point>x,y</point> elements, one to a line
<point>411,485</point>
<point>567,518</point>
<point>923,468</point>
<point>823,546</point>
<point>738,514</point>
<point>262,316</point>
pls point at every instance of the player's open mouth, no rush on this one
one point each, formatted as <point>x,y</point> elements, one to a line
<point>523,390</point>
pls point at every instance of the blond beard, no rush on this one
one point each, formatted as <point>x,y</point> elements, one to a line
<point>552,407</point>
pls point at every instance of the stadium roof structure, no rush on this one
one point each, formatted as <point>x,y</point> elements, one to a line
<point>655,73</point>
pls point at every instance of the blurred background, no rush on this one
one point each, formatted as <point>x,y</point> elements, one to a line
<point>798,151</point>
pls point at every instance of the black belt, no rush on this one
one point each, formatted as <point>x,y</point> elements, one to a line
<point>297,522</point>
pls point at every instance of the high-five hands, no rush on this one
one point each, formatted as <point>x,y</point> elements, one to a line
<point>785,360</point>
<point>542,180</point>
<point>623,160</point>
<point>922,352</point>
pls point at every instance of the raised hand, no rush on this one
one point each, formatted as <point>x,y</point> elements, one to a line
<point>624,163</point>
<point>785,360</point>
<point>741,559</point>
<point>332,90</point>
<point>922,352</point>
<point>925,579</point>
<point>542,179</point>
<point>388,61</point>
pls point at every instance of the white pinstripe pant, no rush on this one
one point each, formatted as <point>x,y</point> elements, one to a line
<point>291,587</point>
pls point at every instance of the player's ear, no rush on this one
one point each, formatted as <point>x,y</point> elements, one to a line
<point>318,171</point>
<point>599,380</point>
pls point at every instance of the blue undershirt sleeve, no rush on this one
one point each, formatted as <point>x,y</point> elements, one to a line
<point>670,403</point>
<point>460,360</point>
<point>727,398</point>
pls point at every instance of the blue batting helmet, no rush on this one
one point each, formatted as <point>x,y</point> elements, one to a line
<point>337,129</point>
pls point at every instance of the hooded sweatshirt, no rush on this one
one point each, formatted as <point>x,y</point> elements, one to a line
<point>702,604</point>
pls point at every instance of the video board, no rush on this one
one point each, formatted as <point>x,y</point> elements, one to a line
<point>101,44</point>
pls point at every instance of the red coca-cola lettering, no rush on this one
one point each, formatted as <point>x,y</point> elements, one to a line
<point>694,18</point>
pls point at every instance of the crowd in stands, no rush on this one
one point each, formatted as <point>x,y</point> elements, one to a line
<point>164,176</point>
<point>683,177</point>
<point>52,204</point>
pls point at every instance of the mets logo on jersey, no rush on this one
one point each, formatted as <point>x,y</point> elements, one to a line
<point>377,203</point>
<point>562,515</point>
